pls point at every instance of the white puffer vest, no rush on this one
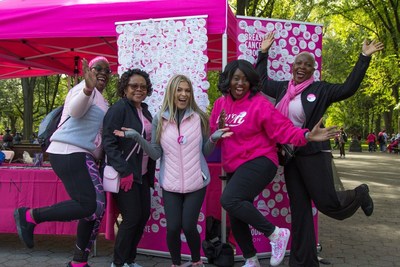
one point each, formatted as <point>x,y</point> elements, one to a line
<point>180,165</point>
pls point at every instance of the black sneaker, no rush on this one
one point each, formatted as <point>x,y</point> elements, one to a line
<point>24,228</point>
<point>367,204</point>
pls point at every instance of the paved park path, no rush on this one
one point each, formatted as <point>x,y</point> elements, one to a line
<point>358,241</point>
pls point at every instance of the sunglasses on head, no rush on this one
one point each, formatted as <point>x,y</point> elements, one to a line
<point>100,69</point>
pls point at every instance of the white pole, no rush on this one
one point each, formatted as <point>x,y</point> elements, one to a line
<point>223,212</point>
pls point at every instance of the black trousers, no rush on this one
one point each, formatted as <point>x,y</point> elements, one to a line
<point>247,182</point>
<point>310,178</point>
<point>134,206</point>
<point>182,212</point>
<point>341,149</point>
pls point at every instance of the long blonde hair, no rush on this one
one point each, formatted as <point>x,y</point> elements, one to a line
<point>169,104</point>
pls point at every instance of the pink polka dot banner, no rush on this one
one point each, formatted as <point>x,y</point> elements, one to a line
<point>291,38</point>
<point>163,48</point>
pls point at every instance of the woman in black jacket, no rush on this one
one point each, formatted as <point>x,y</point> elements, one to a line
<point>309,175</point>
<point>137,173</point>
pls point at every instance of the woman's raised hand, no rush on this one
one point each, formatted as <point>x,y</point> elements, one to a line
<point>369,48</point>
<point>90,77</point>
<point>267,41</point>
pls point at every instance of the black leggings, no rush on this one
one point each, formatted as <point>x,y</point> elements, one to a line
<point>80,175</point>
<point>247,182</point>
<point>182,213</point>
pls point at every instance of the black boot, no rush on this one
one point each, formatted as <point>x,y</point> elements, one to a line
<point>367,204</point>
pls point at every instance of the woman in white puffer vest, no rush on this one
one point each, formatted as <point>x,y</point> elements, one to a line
<point>180,137</point>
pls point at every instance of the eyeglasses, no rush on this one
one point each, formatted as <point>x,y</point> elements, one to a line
<point>100,69</point>
<point>137,87</point>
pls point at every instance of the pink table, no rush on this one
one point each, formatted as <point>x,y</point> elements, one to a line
<point>22,185</point>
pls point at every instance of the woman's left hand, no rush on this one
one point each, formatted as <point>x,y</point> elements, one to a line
<point>267,41</point>
<point>90,77</point>
<point>121,133</point>
<point>371,47</point>
<point>322,134</point>
<point>126,183</point>
<point>220,133</point>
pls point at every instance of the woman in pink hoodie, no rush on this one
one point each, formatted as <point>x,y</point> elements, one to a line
<point>249,156</point>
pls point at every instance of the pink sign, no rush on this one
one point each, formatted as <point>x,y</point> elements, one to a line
<point>163,48</point>
<point>291,38</point>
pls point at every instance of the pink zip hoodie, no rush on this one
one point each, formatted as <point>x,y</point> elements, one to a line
<point>257,126</point>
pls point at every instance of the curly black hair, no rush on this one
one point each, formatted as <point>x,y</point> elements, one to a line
<point>247,68</point>
<point>124,80</point>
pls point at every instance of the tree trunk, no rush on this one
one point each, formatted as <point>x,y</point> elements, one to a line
<point>28,85</point>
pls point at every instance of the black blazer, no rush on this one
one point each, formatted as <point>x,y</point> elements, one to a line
<point>124,114</point>
<point>316,98</point>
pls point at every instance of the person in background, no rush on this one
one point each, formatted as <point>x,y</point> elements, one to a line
<point>249,155</point>
<point>74,153</point>
<point>336,140</point>
<point>371,140</point>
<point>133,199</point>
<point>309,176</point>
<point>180,137</point>
<point>382,139</point>
<point>342,142</point>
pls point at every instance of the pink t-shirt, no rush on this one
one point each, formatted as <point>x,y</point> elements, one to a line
<point>147,129</point>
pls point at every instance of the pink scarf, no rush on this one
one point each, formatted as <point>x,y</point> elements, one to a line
<point>292,91</point>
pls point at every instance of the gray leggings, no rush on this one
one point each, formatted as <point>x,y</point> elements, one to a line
<point>182,213</point>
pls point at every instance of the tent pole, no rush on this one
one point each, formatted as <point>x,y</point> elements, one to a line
<point>224,50</point>
<point>223,212</point>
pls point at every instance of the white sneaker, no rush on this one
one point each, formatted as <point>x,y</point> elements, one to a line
<point>252,263</point>
<point>279,247</point>
<point>127,265</point>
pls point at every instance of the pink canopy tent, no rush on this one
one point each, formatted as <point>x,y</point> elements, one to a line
<point>45,37</point>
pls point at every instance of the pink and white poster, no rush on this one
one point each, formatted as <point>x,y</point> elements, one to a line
<point>291,38</point>
<point>163,48</point>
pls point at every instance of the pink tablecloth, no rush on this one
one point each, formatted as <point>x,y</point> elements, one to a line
<point>22,185</point>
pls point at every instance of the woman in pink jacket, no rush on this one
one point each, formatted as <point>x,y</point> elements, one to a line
<point>249,156</point>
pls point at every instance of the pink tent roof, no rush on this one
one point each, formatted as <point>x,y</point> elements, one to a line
<point>43,37</point>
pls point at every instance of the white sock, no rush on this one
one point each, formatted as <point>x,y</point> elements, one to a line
<point>274,236</point>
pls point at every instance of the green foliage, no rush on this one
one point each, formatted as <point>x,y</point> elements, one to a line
<point>10,97</point>
<point>213,92</point>
<point>110,92</point>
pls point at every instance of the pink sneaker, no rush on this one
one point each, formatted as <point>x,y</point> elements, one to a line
<point>279,247</point>
<point>252,263</point>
